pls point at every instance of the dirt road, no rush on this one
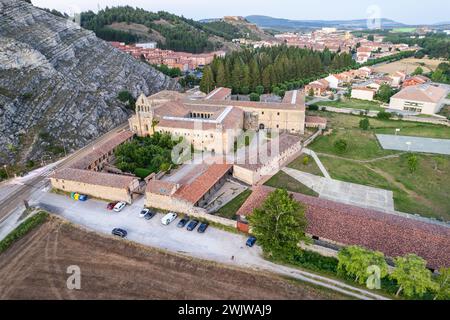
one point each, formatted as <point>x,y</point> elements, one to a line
<point>35,268</point>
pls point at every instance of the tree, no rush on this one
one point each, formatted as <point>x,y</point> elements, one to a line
<point>364,124</point>
<point>412,276</point>
<point>259,90</point>
<point>382,115</point>
<point>341,145</point>
<point>442,289</point>
<point>371,37</point>
<point>418,71</point>
<point>385,93</point>
<point>305,160</point>
<point>311,92</point>
<point>254,97</point>
<point>221,80</point>
<point>279,224</point>
<point>354,261</point>
<point>127,97</point>
<point>413,163</point>
<point>207,82</point>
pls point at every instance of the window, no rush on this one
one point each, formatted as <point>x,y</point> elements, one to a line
<point>278,113</point>
<point>262,112</point>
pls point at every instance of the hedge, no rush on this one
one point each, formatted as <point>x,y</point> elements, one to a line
<point>24,228</point>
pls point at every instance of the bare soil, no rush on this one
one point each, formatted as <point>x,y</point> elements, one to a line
<point>35,268</point>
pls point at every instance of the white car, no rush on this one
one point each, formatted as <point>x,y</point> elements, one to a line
<point>119,207</point>
<point>168,218</point>
<point>144,212</point>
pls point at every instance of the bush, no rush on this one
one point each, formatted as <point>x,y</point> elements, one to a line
<point>341,145</point>
<point>314,261</point>
<point>382,115</point>
<point>313,107</point>
<point>24,228</point>
<point>364,124</point>
<point>255,97</point>
<point>142,172</point>
<point>305,160</point>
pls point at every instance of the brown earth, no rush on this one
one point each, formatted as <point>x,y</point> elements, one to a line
<point>35,268</point>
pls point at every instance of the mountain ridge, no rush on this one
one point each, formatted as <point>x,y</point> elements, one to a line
<point>59,84</point>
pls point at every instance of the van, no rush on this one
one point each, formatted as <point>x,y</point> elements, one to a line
<point>168,218</point>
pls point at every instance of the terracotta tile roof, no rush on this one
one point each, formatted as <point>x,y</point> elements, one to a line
<point>424,93</point>
<point>194,191</point>
<point>219,94</point>
<point>103,149</point>
<point>314,119</point>
<point>94,178</point>
<point>161,187</point>
<point>393,235</point>
<point>252,104</point>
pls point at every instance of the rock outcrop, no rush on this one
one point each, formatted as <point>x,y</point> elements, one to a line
<point>59,84</point>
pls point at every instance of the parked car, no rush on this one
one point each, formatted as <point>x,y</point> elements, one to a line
<point>183,222</point>
<point>191,226</point>
<point>119,232</point>
<point>144,212</point>
<point>82,198</point>
<point>168,218</point>
<point>202,228</point>
<point>251,242</point>
<point>149,215</point>
<point>119,206</point>
<point>111,205</point>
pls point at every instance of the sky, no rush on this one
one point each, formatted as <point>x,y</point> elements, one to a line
<point>405,11</point>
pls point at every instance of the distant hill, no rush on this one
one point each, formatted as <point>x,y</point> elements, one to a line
<point>286,24</point>
<point>172,32</point>
<point>233,27</point>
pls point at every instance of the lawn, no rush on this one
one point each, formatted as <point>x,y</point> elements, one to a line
<point>352,104</point>
<point>229,210</point>
<point>283,181</point>
<point>424,192</point>
<point>310,167</point>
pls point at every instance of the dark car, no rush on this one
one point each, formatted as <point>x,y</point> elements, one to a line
<point>191,226</point>
<point>149,215</point>
<point>111,205</point>
<point>251,242</point>
<point>183,222</point>
<point>202,228</point>
<point>119,232</point>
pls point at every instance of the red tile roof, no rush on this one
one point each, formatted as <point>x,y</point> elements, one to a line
<point>94,178</point>
<point>348,225</point>
<point>194,191</point>
<point>102,149</point>
<point>314,119</point>
<point>219,94</point>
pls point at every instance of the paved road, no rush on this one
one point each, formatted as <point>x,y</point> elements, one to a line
<point>15,191</point>
<point>214,245</point>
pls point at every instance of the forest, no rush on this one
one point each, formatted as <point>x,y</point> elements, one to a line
<point>180,33</point>
<point>275,69</point>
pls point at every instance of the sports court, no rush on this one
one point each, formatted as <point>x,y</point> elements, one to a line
<point>414,144</point>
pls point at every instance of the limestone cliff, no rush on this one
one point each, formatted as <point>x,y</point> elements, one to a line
<point>59,84</point>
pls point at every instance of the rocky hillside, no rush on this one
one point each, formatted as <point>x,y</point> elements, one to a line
<point>59,84</point>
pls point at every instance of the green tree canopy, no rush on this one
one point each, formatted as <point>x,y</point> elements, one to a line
<point>279,224</point>
<point>412,276</point>
<point>442,289</point>
<point>354,261</point>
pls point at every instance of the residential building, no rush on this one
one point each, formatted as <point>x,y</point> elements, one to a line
<point>319,87</point>
<point>363,93</point>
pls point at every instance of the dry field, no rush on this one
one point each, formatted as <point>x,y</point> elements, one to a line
<point>409,65</point>
<point>35,268</point>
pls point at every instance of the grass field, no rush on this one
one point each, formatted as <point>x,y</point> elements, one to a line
<point>424,192</point>
<point>35,268</point>
<point>229,210</point>
<point>404,30</point>
<point>311,167</point>
<point>408,65</point>
<point>352,104</point>
<point>283,181</point>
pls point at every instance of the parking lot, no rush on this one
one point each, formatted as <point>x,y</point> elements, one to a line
<point>214,244</point>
